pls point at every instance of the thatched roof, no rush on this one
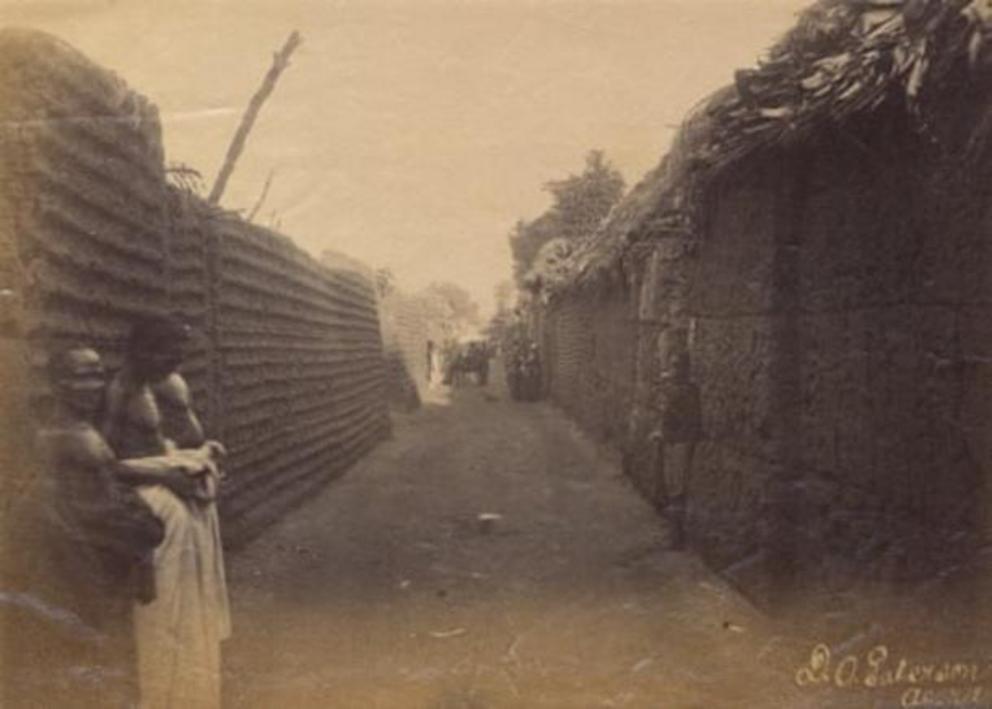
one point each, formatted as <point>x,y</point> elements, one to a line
<point>843,57</point>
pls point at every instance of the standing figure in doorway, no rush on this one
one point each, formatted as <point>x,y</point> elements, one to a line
<point>533,385</point>
<point>149,412</point>
<point>430,362</point>
<point>483,367</point>
<point>679,431</point>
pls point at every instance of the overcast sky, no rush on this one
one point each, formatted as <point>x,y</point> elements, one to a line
<point>413,134</point>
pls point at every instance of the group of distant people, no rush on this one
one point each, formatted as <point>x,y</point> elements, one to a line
<point>455,363</point>
<point>523,370</point>
<point>132,524</point>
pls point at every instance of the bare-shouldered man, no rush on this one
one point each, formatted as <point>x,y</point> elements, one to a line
<point>100,537</point>
<point>149,412</point>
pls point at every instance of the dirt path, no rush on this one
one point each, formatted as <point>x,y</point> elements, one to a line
<point>386,590</point>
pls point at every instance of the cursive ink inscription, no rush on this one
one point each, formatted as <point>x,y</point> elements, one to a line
<point>942,683</point>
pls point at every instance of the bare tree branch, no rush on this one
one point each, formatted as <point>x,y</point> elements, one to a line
<point>279,62</point>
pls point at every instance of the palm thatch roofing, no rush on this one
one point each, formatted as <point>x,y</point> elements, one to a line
<point>843,57</point>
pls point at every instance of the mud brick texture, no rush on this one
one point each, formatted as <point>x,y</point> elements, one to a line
<point>588,347</point>
<point>407,327</point>
<point>286,364</point>
<point>837,302</point>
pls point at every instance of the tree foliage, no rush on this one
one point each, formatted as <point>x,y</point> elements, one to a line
<point>452,306</point>
<point>582,201</point>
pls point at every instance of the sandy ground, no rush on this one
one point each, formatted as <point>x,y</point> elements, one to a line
<point>387,590</point>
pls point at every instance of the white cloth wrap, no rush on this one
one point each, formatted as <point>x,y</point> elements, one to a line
<point>178,635</point>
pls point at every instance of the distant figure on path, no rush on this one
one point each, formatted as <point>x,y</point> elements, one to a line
<point>149,412</point>
<point>532,383</point>
<point>483,365</point>
<point>680,429</point>
<point>430,362</point>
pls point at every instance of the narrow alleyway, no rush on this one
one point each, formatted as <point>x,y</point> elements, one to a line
<point>388,590</point>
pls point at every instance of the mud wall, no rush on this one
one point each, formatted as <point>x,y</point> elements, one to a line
<point>286,363</point>
<point>567,342</point>
<point>588,358</point>
<point>300,375</point>
<point>891,312</point>
<point>741,316</point>
<point>406,329</point>
<point>83,182</point>
<point>837,308</point>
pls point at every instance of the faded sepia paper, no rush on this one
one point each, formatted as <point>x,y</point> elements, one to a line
<point>488,555</point>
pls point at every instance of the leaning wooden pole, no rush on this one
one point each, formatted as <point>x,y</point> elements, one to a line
<point>279,62</point>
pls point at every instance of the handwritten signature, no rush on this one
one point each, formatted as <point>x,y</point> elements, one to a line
<point>944,683</point>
